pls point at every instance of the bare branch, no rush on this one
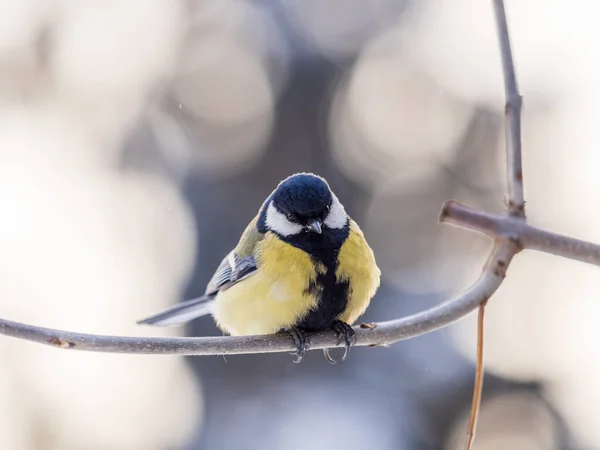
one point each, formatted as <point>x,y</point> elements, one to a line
<point>383,333</point>
<point>512,112</point>
<point>522,233</point>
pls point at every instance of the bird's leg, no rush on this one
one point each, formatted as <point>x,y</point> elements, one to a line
<point>301,341</point>
<point>345,333</point>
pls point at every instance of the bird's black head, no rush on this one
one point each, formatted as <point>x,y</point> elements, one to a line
<point>303,197</point>
<point>303,203</point>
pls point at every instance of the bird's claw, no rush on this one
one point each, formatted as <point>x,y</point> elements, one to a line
<point>346,334</point>
<point>328,356</point>
<point>301,341</point>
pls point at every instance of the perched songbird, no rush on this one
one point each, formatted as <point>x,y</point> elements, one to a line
<point>301,265</point>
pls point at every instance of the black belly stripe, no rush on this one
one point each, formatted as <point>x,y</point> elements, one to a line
<point>333,294</point>
<point>333,299</point>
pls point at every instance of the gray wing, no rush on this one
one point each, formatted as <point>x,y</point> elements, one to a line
<point>232,270</point>
<point>238,265</point>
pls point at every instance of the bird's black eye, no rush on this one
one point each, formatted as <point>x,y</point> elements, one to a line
<point>291,217</point>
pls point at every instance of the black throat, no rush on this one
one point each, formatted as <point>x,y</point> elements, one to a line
<point>332,293</point>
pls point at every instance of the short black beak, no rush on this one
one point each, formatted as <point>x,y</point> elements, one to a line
<point>315,226</point>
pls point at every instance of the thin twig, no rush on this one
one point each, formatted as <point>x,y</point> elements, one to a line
<point>512,113</point>
<point>478,385</point>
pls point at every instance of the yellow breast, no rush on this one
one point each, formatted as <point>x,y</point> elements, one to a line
<point>275,297</point>
<point>356,263</point>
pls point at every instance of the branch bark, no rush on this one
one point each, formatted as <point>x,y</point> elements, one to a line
<point>383,333</point>
<point>525,235</point>
<point>512,114</point>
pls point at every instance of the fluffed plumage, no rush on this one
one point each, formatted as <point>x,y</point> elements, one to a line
<point>301,265</point>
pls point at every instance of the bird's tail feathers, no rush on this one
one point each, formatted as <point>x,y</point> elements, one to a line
<point>181,313</point>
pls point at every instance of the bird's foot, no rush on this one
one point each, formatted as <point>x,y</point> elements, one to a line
<point>346,334</point>
<point>301,341</point>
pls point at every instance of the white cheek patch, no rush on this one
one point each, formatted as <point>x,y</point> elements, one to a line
<point>337,217</point>
<point>277,222</point>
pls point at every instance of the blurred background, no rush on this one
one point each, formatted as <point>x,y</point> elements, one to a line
<point>138,138</point>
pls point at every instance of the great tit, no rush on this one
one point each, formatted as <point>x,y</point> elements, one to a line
<point>301,265</point>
